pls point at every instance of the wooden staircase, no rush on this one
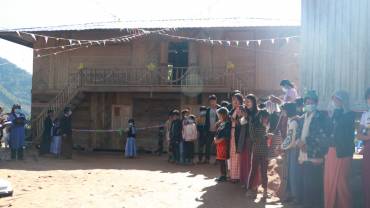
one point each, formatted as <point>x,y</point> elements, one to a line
<point>70,96</point>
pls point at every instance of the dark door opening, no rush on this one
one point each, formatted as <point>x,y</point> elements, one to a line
<point>178,53</point>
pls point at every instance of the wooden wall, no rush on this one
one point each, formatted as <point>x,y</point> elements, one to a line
<point>335,47</point>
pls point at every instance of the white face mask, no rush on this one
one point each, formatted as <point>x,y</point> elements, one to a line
<point>309,108</point>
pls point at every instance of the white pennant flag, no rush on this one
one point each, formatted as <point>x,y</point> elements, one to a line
<point>70,41</point>
<point>33,36</point>
<point>272,41</point>
<point>104,42</point>
<point>247,42</point>
<point>220,42</point>
<point>259,42</point>
<point>287,40</point>
<point>211,42</point>
<point>46,39</point>
<point>228,43</point>
<point>79,42</point>
<point>19,34</point>
<point>237,43</point>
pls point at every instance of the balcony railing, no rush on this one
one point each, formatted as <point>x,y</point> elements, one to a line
<point>161,77</point>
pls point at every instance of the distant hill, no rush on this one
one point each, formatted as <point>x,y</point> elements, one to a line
<point>15,86</point>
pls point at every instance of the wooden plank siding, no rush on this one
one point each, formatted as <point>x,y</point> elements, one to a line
<point>335,50</point>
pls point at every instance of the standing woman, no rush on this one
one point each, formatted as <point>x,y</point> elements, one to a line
<point>364,135</point>
<point>245,142</point>
<point>339,157</point>
<point>130,150</point>
<point>17,132</point>
<point>235,114</point>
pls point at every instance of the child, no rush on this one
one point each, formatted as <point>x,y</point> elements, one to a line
<point>190,135</point>
<point>291,190</point>
<point>56,141</point>
<point>260,151</point>
<point>175,136</point>
<point>202,132</point>
<point>161,135</point>
<point>221,140</point>
<point>130,150</point>
<point>185,120</point>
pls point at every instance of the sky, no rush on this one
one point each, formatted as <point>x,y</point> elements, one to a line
<point>37,13</point>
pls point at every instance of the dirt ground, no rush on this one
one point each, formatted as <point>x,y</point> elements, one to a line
<point>109,180</point>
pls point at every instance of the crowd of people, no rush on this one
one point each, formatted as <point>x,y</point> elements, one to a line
<point>56,130</point>
<point>316,147</point>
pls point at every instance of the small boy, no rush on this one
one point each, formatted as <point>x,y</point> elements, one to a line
<point>161,135</point>
<point>175,136</point>
<point>202,132</point>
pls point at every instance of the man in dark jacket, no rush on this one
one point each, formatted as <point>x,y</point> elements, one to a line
<point>313,145</point>
<point>210,127</point>
<point>46,136</point>
<point>66,129</point>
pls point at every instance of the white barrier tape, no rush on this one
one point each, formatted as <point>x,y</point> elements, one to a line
<point>113,130</point>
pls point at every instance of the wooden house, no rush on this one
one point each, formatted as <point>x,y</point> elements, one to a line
<point>145,76</point>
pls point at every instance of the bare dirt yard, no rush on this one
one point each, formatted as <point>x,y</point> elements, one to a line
<point>109,180</point>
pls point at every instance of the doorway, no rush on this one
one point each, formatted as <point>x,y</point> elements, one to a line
<point>178,57</point>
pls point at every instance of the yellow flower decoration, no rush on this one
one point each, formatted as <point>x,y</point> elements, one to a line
<point>81,66</point>
<point>151,67</point>
<point>230,66</point>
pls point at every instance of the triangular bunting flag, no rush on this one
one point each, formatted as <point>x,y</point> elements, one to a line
<point>272,41</point>
<point>237,43</point>
<point>33,36</point>
<point>70,41</point>
<point>259,42</point>
<point>220,42</point>
<point>228,43</point>
<point>247,42</point>
<point>46,39</point>
<point>287,40</point>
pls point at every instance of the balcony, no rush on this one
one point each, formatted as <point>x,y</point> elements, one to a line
<point>164,79</point>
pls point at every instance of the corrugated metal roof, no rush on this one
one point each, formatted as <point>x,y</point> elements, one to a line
<point>172,23</point>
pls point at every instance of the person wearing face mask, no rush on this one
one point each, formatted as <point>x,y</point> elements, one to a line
<point>17,132</point>
<point>130,149</point>
<point>339,157</point>
<point>364,135</point>
<point>313,147</point>
<point>66,131</point>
